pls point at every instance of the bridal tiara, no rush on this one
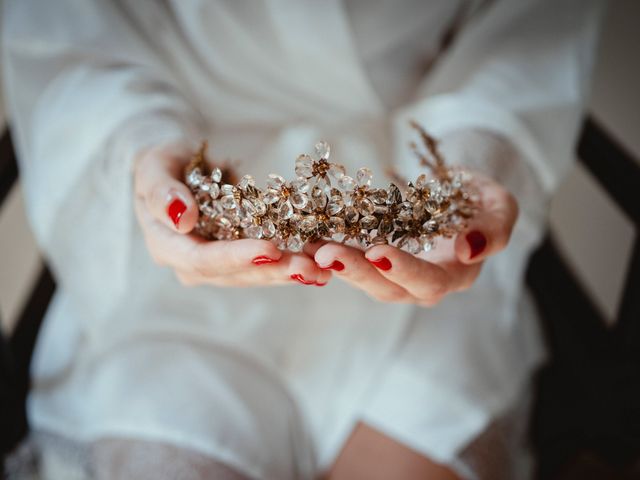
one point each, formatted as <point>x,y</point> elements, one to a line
<point>324,203</point>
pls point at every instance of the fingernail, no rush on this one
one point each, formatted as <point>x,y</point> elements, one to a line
<point>335,265</point>
<point>318,284</point>
<point>382,263</point>
<point>477,242</point>
<point>175,211</point>
<point>300,278</point>
<point>262,259</point>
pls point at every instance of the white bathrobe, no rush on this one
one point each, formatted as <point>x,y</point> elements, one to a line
<point>272,380</point>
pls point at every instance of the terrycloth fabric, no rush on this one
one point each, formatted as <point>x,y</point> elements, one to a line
<point>126,350</point>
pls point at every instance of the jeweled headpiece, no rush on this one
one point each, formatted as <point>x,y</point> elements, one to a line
<point>324,203</point>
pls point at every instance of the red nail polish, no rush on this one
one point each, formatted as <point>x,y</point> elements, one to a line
<point>477,242</point>
<point>300,278</point>
<point>262,259</point>
<point>318,284</point>
<point>382,263</point>
<point>336,265</point>
<point>175,211</point>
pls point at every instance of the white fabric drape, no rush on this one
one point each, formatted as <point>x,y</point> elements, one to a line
<point>90,83</point>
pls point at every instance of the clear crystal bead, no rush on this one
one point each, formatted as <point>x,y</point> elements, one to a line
<point>347,183</point>
<point>319,198</point>
<point>194,178</point>
<point>205,184</point>
<point>228,202</point>
<point>430,226</point>
<point>246,182</point>
<point>268,229</point>
<point>418,209</point>
<point>351,215</point>
<point>248,207</point>
<point>445,189</point>
<point>369,222</point>
<point>336,171</point>
<point>261,208</point>
<point>304,166</point>
<point>254,231</point>
<point>271,197</point>
<point>227,189</point>
<point>426,243</point>
<point>324,184</point>
<point>214,190</point>
<point>294,243</point>
<point>338,237</point>
<point>323,150</point>
<point>365,206</point>
<point>378,196</point>
<point>216,174</point>
<point>431,206</point>
<point>275,182</point>
<point>299,200</point>
<point>308,224</point>
<point>286,210</point>
<point>385,227</point>
<point>364,177</point>
<point>246,222</point>
<point>412,245</point>
<point>335,206</point>
<point>301,185</point>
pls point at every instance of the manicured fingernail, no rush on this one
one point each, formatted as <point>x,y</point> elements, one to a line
<point>477,242</point>
<point>335,265</point>
<point>318,284</point>
<point>382,263</point>
<point>262,259</point>
<point>300,278</point>
<point>175,211</point>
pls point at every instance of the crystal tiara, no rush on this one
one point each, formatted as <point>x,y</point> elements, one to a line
<point>324,203</point>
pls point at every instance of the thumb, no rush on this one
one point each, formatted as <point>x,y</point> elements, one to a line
<point>490,229</point>
<point>157,182</point>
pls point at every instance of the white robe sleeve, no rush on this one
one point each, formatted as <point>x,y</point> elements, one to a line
<point>520,71</point>
<point>86,90</point>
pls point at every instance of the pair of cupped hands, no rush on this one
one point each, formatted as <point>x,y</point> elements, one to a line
<point>167,213</point>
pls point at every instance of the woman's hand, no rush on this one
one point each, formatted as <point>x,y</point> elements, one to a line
<point>167,213</point>
<point>392,275</point>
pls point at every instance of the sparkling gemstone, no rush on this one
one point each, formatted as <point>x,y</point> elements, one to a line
<point>308,224</point>
<point>347,183</point>
<point>445,189</point>
<point>227,189</point>
<point>369,222</point>
<point>319,198</point>
<point>268,229</point>
<point>246,182</point>
<point>426,243</point>
<point>324,184</point>
<point>418,209</point>
<point>394,194</point>
<point>214,190</point>
<point>379,240</point>
<point>271,196</point>
<point>275,182</point>
<point>351,215</point>
<point>385,227</point>
<point>338,237</point>
<point>335,206</point>
<point>194,178</point>
<point>365,206</point>
<point>304,166</point>
<point>261,208</point>
<point>301,185</point>
<point>413,245</point>
<point>364,177</point>
<point>216,174</point>
<point>228,202</point>
<point>336,171</point>
<point>294,243</point>
<point>431,206</point>
<point>254,231</point>
<point>246,222</point>
<point>430,226</point>
<point>378,196</point>
<point>286,210</point>
<point>248,207</point>
<point>205,184</point>
<point>299,200</point>
<point>323,150</point>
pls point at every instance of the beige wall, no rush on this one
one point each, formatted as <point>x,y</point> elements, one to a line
<point>594,236</point>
